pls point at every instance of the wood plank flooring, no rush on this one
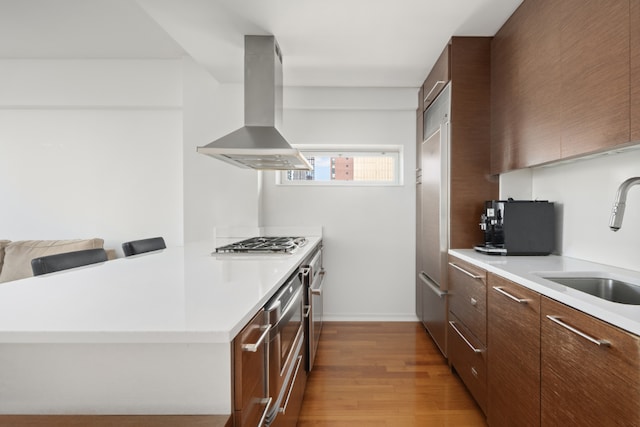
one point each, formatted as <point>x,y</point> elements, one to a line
<point>387,374</point>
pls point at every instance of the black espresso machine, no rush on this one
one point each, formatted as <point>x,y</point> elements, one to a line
<point>517,227</point>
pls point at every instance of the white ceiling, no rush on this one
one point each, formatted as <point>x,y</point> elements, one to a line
<point>379,43</point>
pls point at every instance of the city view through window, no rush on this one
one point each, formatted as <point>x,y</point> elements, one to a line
<point>363,167</point>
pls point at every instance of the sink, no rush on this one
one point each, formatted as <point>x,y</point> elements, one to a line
<point>607,288</point>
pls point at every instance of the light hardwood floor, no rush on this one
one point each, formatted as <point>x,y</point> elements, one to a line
<point>384,374</point>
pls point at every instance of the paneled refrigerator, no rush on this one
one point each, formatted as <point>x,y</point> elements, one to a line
<point>433,222</point>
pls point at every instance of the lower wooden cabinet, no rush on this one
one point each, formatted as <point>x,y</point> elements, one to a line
<point>514,354</point>
<point>590,370</point>
<point>468,356</point>
<point>290,409</point>
<point>249,374</point>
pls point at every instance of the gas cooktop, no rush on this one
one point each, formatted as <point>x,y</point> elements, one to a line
<point>264,244</point>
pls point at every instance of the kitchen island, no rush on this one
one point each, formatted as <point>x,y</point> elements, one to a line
<point>149,334</point>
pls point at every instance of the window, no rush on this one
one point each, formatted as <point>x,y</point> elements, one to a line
<point>347,165</point>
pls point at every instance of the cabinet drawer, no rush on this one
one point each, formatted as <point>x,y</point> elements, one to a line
<point>468,296</point>
<point>468,356</point>
<point>249,374</point>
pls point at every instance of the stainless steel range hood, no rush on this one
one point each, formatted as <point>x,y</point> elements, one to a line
<point>259,144</point>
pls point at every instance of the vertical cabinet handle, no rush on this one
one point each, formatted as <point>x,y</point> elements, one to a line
<point>473,276</point>
<point>453,325</point>
<point>596,341</point>
<point>511,297</point>
<point>256,345</point>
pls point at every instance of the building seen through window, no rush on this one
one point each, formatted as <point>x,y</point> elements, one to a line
<point>365,167</point>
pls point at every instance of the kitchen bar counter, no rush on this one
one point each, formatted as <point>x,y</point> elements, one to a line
<point>149,334</point>
<point>523,269</point>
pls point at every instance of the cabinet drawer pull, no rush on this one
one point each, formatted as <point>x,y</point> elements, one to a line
<point>267,403</point>
<point>474,301</point>
<point>435,85</point>
<point>511,297</point>
<point>474,372</point>
<point>255,346</point>
<point>283,408</point>
<point>473,276</point>
<point>453,325</point>
<point>556,320</point>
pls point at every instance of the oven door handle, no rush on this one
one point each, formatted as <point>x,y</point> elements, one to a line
<point>288,311</point>
<point>318,290</point>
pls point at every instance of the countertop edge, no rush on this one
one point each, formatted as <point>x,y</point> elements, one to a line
<point>624,316</point>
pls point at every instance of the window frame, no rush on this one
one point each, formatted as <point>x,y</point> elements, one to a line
<point>349,150</point>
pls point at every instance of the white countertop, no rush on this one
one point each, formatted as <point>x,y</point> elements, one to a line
<point>177,295</point>
<point>523,269</point>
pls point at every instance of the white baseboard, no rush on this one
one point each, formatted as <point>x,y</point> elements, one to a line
<point>369,317</point>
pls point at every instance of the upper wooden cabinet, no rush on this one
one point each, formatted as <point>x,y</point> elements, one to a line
<point>561,81</point>
<point>470,153</point>
<point>595,75</point>
<point>635,70</point>
<point>437,79</point>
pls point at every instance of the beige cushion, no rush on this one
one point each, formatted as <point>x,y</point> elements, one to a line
<point>18,255</point>
<point>3,243</point>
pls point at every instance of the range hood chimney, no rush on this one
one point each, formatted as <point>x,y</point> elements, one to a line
<point>259,144</point>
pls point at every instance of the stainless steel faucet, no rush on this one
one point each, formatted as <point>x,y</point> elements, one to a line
<point>618,205</point>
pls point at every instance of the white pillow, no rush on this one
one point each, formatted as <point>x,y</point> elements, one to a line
<point>3,243</point>
<point>18,255</point>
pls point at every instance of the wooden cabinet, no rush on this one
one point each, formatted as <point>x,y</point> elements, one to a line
<point>470,183</point>
<point>590,374</point>
<point>634,45</point>
<point>468,296</point>
<point>561,83</point>
<point>288,416</point>
<point>504,96</point>
<point>436,80</point>
<point>595,75</point>
<point>249,373</point>
<point>468,356</point>
<point>467,332</point>
<point>514,354</point>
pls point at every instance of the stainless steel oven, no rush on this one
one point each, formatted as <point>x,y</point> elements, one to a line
<point>286,337</point>
<point>313,278</point>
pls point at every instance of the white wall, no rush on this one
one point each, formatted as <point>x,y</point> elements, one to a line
<point>91,148</point>
<point>215,193</point>
<point>368,232</point>
<point>584,191</point>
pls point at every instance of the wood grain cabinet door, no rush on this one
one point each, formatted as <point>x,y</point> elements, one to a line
<point>514,354</point>
<point>635,70</point>
<point>539,83</point>
<point>437,79</point>
<point>590,375</point>
<point>595,75</point>
<point>249,373</point>
<point>505,100</point>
